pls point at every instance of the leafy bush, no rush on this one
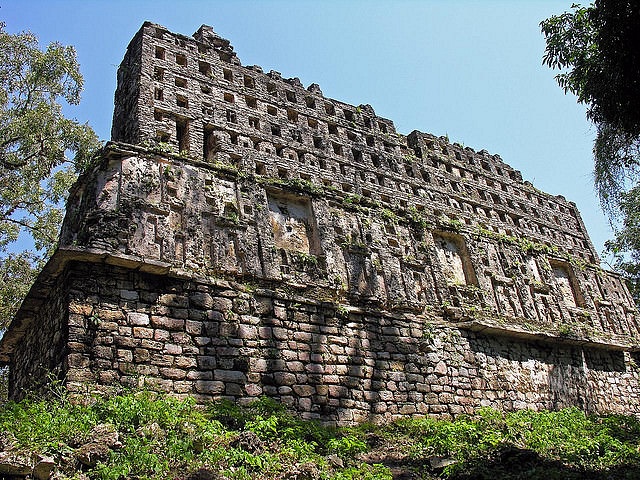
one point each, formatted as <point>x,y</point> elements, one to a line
<point>162,437</point>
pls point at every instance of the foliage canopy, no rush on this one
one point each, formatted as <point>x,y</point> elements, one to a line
<point>41,153</point>
<point>596,49</point>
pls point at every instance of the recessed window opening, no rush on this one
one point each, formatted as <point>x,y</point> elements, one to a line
<point>291,96</point>
<point>227,74</point>
<point>204,68</point>
<point>329,108</point>
<point>182,101</point>
<point>228,97</point>
<point>348,114</point>
<point>272,89</point>
<point>162,137</point>
<point>160,53</point>
<point>181,60</point>
<point>357,154</point>
<point>310,101</point>
<point>254,122</point>
<point>333,129</point>
<point>272,110</point>
<point>158,94</point>
<point>249,82</point>
<point>275,130</point>
<point>292,115</point>
<point>181,82</point>
<point>211,146</point>
<point>182,135</point>
<point>231,116</point>
<point>313,123</point>
<point>251,102</point>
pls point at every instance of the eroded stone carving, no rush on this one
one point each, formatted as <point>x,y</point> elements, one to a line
<point>242,235</point>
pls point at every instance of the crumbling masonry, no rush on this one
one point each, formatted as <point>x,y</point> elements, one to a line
<point>243,236</point>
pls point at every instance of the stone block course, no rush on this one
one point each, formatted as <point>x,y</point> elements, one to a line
<point>292,245</point>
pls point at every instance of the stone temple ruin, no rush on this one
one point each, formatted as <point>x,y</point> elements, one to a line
<point>242,236</point>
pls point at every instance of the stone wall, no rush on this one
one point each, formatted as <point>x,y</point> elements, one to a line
<point>221,339</point>
<point>243,235</point>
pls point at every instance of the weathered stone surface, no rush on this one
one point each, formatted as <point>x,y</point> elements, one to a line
<point>247,236</point>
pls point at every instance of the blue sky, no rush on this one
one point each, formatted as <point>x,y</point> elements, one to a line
<point>469,69</point>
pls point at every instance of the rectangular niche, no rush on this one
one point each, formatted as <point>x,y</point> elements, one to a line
<point>293,224</point>
<point>453,258</point>
<point>567,284</point>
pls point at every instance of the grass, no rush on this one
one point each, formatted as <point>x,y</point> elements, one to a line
<point>160,437</point>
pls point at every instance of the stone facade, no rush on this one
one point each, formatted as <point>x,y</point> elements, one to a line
<point>242,235</point>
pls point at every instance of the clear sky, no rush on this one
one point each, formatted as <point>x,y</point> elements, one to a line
<point>469,69</point>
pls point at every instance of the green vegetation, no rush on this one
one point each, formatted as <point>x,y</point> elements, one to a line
<point>595,50</point>
<point>41,154</point>
<point>160,437</point>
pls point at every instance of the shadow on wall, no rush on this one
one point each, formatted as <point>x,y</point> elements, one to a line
<point>555,376</point>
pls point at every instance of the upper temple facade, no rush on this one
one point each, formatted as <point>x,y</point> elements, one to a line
<point>243,235</point>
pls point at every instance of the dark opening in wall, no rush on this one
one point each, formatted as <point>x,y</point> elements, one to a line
<point>160,52</point>
<point>337,148</point>
<point>158,115</point>
<point>313,123</point>
<point>317,142</point>
<point>376,160</point>
<point>227,74</point>
<point>272,111</point>
<point>182,101</point>
<point>251,101</point>
<point>333,128</point>
<point>206,89</point>
<point>357,154</point>
<point>367,122</point>
<point>158,94</point>
<point>348,114</point>
<point>254,122</point>
<point>249,82</point>
<point>211,145</point>
<point>231,116</point>
<point>181,60</point>
<point>181,82</point>
<point>310,101</point>
<point>205,68</point>
<point>162,137</point>
<point>275,130</point>
<point>228,97</point>
<point>371,141</point>
<point>272,89</point>
<point>292,115</point>
<point>261,169</point>
<point>182,134</point>
<point>329,108</point>
<point>291,96</point>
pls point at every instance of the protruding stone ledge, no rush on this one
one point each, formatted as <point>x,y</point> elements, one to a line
<point>563,334</point>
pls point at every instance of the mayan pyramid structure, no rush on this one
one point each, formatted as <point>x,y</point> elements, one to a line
<point>242,235</point>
